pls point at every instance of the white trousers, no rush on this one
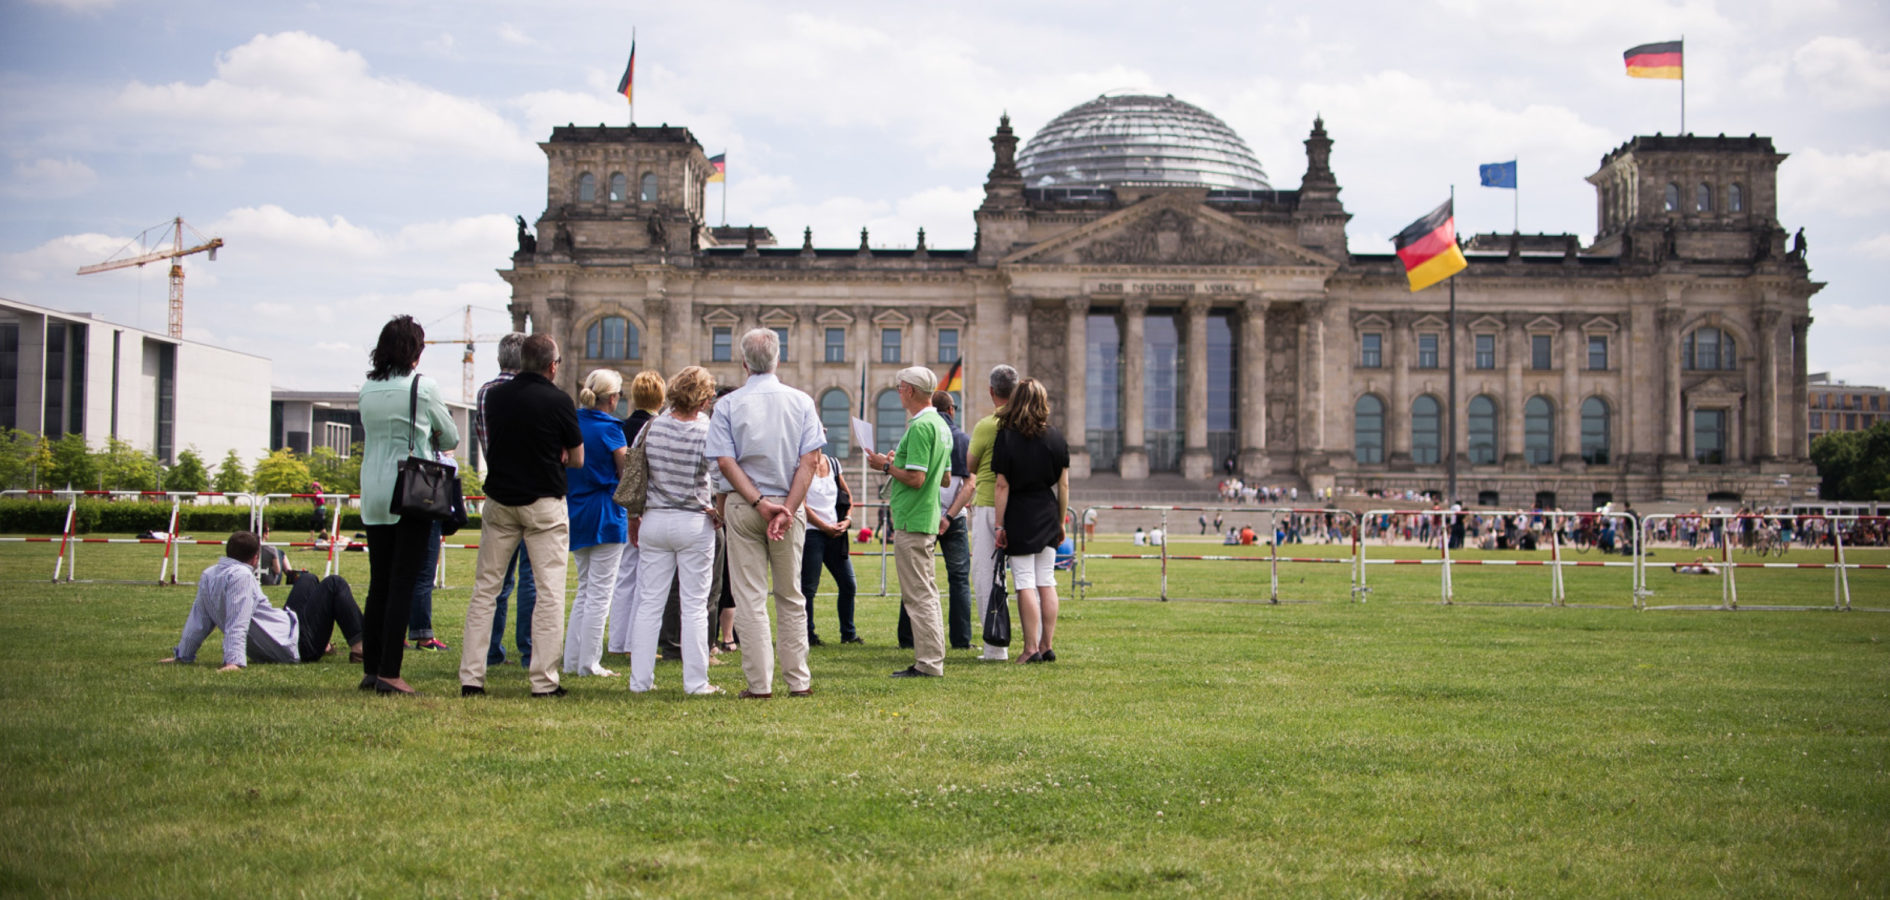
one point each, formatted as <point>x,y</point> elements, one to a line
<point>681,545</point>
<point>623,596</point>
<point>590,609</point>
<point>983,566</point>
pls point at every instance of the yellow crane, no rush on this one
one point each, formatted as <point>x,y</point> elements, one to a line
<point>175,231</point>
<point>466,360</point>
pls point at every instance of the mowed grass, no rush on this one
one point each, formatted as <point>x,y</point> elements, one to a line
<point>1318,747</point>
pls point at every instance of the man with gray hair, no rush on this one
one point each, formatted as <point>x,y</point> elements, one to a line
<point>766,440</point>
<point>917,468</point>
<point>520,564</point>
<point>984,512</point>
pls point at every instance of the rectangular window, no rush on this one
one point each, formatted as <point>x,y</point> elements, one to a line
<point>889,345</point>
<point>1427,351</point>
<point>1850,421</point>
<point>1873,402</point>
<point>722,344</point>
<point>948,345</point>
<point>836,345</point>
<point>780,335</point>
<point>1371,351</point>
<point>1709,436</point>
<point>1598,352</point>
<point>1817,421</point>
<point>1540,351</point>
<point>1486,351</point>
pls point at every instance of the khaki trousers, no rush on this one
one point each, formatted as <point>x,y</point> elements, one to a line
<point>752,558</point>
<point>545,528</point>
<point>918,593</point>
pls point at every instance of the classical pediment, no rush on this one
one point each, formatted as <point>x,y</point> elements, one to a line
<point>1168,230</point>
<point>1714,390</point>
<point>720,317</point>
<point>834,316</point>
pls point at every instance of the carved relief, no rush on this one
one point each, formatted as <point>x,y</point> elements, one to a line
<point>1167,237</point>
<point>1282,362</point>
<point>1049,333</point>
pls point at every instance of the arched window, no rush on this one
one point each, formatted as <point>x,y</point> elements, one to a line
<point>619,187</point>
<point>1703,198</point>
<point>1709,348</point>
<point>1539,431</point>
<point>1671,201</point>
<point>833,414</point>
<point>646,188</point>
<point>1595,431</point>
<point>612,337</point>
<point>1426,429</point>
<point>890,419</point>
<point>1368,429</point>
<point>1482,430</point>
<point>1736,198</point>
<point>587,188</point>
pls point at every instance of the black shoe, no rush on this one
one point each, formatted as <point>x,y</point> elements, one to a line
<point>471,690</point>
<point>904,646</point>
<point>813,641</point>
<point>1047,656</point>
<point>913,672</point>
<point>558,691</point>
<point>961,646</point>
<point>367,682</point>
<point>670,655</point>
<point>851,640</point>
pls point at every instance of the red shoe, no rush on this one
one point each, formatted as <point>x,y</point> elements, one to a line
<point>431,644</point>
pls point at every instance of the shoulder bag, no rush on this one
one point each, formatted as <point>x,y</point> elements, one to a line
<point>422,487</point>
<point>633,483</point>
<point>997,612</point>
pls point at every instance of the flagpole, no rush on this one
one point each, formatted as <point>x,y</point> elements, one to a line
<point>633,86</point>
<point>725,206</point>
<point>1450,441</point>
<point>1683,85</point>
<point>1515,214</point>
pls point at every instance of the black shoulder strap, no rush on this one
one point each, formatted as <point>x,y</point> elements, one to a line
<point>413,411</point>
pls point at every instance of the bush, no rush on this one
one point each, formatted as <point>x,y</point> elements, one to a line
<point>189,473</point>
<point>48,517</point>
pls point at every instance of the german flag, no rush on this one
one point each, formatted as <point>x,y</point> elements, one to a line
<point>629,74</point>
<point>955,379</point>
<point>720,162</point>
<point>1660,60</point>
<point>1429,249</point>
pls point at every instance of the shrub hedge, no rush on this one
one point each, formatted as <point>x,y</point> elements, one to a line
<point>43,517</point>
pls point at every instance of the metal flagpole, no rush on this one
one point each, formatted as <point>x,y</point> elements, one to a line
<point>1515,214</point>
<point>1450,441</point>
<point>1683,84</point>
<point>633,76</point>
<point>725,201</point>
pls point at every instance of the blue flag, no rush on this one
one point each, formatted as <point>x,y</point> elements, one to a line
<point>1498,175</point>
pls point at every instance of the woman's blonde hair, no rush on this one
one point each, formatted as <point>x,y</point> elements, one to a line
<point>599,384</point>
<point>691,389</point>
<point>646,390</point>
<point>1028,413</point>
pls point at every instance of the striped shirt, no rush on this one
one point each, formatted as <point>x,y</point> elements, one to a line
<point>679,473</point>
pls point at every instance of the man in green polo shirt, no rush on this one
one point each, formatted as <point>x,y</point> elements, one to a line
<point>921,462</point>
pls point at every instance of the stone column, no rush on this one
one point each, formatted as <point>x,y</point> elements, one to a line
<point>1134,462</point>
<point>1251,397</point>
<point>1195,462</point>
<point>1801,387</point>
<point>1076,387</point>
<point>1674,447</point>
<point>1515,351</point>
<point>519,309</point>
<point>1398,357</point>
<point>560,330</point>
<point>1569,417</point>
<point>1020,335</point>
<point>809,348</point>
<point>1767,445</point>
<point>654,328</point>
<point>920,353</point>
<point>1314,434</point>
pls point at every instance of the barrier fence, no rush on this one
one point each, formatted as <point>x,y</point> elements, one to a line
<point>1081,574</point>
<point>1772,528</point>
<point>1557,523</point>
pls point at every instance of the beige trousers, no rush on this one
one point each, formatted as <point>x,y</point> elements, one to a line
<point>752,558</point>
<point>545,528</point>
<point>918,593</point>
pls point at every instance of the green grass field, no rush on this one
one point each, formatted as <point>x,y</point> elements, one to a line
<point>1318,747</point>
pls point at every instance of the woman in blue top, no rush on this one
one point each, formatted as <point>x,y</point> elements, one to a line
<point>396,545</point>
<point>599,527</point>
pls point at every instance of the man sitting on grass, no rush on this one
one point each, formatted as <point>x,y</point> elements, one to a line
<point>229,597</point>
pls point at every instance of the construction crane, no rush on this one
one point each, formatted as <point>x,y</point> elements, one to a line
<point>466,361</point>
<point>175,231</point>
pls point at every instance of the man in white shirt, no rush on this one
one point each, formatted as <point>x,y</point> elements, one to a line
<point>230,597</point>
<point>766,440</point>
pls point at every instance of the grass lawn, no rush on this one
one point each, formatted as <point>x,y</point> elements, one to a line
<point>1392,748</point>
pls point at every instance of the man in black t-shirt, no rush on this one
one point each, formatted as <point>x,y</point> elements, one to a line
<point>532,437</point>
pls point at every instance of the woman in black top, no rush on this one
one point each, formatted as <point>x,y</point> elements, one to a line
<point>1032,463</point>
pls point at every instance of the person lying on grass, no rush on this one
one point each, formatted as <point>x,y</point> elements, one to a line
<point>229,598</point>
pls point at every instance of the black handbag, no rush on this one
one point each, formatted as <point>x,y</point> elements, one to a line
<point>997,612</point>
<point>423,487</point>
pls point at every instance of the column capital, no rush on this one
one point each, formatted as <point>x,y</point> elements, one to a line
<point>1020,306</point>
<point>1669,316</point>
<point>1800,324</point>
<point>655,305</point>
<point>1255,306</point>
<point>1135,306</point>
<point>559,306</point>
<point>1196,305</point>
<point>1078,305</point>
<point>1768,319</point>
<point>1313,310</point>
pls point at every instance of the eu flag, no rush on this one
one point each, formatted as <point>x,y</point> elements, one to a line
<point>1498,175</point>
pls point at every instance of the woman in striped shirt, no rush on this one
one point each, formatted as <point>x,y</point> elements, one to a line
<point>675,536</point>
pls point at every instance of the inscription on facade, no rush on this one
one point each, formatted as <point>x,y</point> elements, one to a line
<point>1217,288</point>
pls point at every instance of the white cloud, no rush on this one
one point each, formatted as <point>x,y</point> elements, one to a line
<point>1877,247</point>
<point>213,163</point>
<point>1846,184</point>
<point>80,6</point>
<point>1842,72</point>
<point>46,177</point>
<point>296,94</point>
<point>1573,23</point>
<point>62,256</point>
<point>440,46</point>
<point>511,34</point>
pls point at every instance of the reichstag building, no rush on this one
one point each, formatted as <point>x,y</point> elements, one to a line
<point>1136,257</point>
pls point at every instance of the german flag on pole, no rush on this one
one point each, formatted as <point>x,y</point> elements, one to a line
<point>720,162</point>
<point>1662,60</point>
<point>955,379</point>
<point>1429,249</point>
<point>629,74</point>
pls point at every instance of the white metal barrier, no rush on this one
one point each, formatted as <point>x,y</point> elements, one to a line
<point>1727,568</point>
<point>1080,568</point>
<point>1558,590</point>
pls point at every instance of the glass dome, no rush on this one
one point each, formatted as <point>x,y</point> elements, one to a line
<point>1135,138</point>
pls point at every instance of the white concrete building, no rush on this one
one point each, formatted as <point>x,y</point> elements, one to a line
<point>64,373</point>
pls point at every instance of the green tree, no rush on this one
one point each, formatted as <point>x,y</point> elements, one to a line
<point>231,478</point>
<point>338,474</point>
<point>281,473</point>
<point>189,473</point>
<point>1854,465</point>
<point>19,451</point>
<point>123,467</point>
<point>72,464</point>
<point>471,482</point>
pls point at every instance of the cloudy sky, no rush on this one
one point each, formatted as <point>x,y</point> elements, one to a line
<point>365,158</point>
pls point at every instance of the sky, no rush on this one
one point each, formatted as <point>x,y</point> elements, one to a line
<point>361,159</point>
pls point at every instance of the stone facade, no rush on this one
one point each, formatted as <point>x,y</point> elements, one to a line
<point>1665,361</point>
